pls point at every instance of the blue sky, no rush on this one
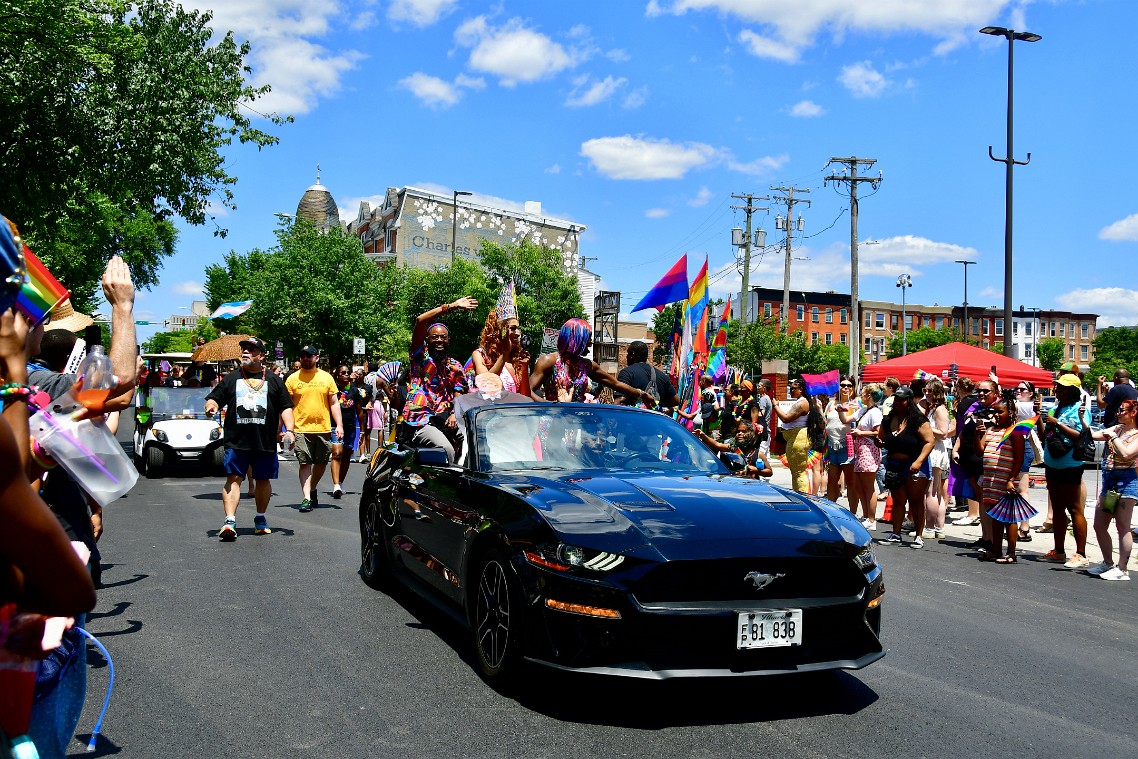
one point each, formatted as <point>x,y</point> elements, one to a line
<point>639,119</point>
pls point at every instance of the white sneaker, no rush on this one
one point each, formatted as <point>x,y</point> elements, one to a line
<point>1099,568</point>
<point>1114,573</point>
<point>918,543</point>
<point>869,524</point>
<point>938,533</point>
<point>928,533</point>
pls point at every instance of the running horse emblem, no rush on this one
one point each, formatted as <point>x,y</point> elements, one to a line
<point>760,579</point>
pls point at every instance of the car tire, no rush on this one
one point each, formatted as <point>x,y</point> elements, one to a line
<point>154,461</point>
<point>497,618</point>
<point>375,561</point>
<point>217,460</point>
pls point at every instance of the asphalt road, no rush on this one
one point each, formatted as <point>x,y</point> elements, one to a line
<point>273,646</point>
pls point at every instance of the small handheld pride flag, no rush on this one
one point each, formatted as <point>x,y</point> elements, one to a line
<point>921,374</point>
<point>41,291</point>
<point>822,383</point>
<point>1022,429</point>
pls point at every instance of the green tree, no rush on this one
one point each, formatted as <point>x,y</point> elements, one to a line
<point>663,326</point>
<point>317,288</point>
<point>169,342</point>
<point>115,116</point>
<point>1049,351</point>
<point>921,339</point>
<point>1115,348</point>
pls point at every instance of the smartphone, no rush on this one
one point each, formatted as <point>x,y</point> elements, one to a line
<point>993,368</point>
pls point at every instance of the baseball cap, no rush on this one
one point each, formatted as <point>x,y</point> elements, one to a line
<point>1069,381</point>
<point>310,350</point>
<point>253,344</point>
<point>1069,366</point>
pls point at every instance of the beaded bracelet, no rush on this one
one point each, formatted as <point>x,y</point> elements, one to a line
<point>16,391</point>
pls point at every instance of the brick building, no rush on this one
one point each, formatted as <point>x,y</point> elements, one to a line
<point>824,317</point>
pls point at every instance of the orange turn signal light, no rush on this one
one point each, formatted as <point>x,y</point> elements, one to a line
<point>588,611</point>
<point>533,557</point>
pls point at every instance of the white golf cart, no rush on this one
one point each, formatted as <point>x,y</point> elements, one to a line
<point>172,426</point>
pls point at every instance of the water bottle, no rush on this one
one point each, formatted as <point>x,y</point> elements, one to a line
<point>96,370</point>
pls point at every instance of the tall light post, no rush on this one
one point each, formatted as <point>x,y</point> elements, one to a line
<point>904,282</point>
<point>1009,162</point>
<point>966,265</point>
<point>454,221</point>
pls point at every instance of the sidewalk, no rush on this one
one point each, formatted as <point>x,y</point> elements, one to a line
<point>1040,543</point>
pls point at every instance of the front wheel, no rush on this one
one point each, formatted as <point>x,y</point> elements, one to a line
<point>498,611</point>
<point>375,562</point>
<point>154,461</point>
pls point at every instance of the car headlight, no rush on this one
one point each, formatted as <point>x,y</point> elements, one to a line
<point>864,559</point>
<point>160,436</point>
<point>215,433</point>
<point>564,557</point>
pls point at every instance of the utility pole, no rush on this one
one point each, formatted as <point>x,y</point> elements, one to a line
<point>788,227</point>
<point>745,292</point>
<point>966,265</point>
<point>855,319</point>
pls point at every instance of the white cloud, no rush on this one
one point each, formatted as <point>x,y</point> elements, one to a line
<point>431,90</point>
<point>656,213</point>
<point>806,109</point>
<point>992,293</point>
<point>629,157</point>
<point>1125,230</point>
<point>701,198</point>
<point>760,166</point>
<point>420,12</point>
<point>618,56</point>
<point>906,254</point>
<point>189,287</point>
<point>635,99</point>
<point>554,169</point>
<point>862,80</point>
<point>1116,306</point>
<point>350,207</point>
<point>586,92</point>
<point>438,93</point>
<point>790,26</point>
<point>513,52</point>
<point>764,47</point>
<point>285,52</point>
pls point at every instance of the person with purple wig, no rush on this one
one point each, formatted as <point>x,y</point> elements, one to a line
<point>564,376</point>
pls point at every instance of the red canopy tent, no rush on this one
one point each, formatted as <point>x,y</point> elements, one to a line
<point>970,361</point>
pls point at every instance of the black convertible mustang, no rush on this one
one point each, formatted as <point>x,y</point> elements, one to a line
<point>609,540</point>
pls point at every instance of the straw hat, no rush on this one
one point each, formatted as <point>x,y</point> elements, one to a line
<point>65,317</point>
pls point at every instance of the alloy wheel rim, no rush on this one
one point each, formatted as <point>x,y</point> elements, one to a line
<point>371,560</point>
<point>493,614</point>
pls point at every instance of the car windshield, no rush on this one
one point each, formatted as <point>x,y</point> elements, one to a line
<point>567,436</point>
<point>179,401</point>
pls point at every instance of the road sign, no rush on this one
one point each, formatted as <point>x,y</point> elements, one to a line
<point>358,346</point>
<point>143,323</point>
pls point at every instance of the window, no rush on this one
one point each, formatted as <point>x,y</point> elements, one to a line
<point>1027,329</point>
<point>829,316</point>
<point>1084,330</point>
<point>814,314</point>
<point>845,317</point>
<point>829,338</point>
<point>1015,328</point>
<point>975,326</point>
<point>1052,330</point>
<point>1084,353</point>
<point>1071,330</point>
<point>868,349</point>
<point>843,338</point>
<point>813,338</point>
<point>985,327</point>
<point>985,345</point>
<point>1062,329</point>
<point>868,319</point>
<point>767,310</point>
<point>999,327</point>
<point>1027,351</point>
<point>940,322</point>
<point>801,313</point>
<point>895,322</point>
<point>909,321</point>
<point>880,320</point>
<point>1070,351</point>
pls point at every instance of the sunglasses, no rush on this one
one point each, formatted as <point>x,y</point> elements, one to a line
<point>844,384</point>
<point>982,392</point>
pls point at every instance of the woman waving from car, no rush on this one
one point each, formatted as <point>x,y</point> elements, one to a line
<point>564,376</point>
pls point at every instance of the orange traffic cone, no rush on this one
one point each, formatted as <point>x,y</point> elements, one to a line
<point>887,515</point>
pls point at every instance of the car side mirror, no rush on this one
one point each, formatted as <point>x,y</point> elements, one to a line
<point>432,457</point>
<point>734,461</point>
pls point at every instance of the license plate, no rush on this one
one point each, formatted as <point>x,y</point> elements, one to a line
<point>769,629</point>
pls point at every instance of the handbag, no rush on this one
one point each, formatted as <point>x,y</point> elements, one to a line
<point>893,479</point>
<point>1085,445</point>
<point>1110,501</point>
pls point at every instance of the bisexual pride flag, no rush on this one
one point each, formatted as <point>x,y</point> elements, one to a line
<point>822,383</point>
<point>671,288</point>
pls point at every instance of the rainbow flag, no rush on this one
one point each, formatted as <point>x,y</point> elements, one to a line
<point>671,288</point>
<point>720,341</point>
<point>921,374</point>
<point>698,296</point>
<point>41,291</point>
<point>1022,429</point>
<point>822,383</point>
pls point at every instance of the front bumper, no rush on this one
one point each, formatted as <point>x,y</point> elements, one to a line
<point>663,640</point>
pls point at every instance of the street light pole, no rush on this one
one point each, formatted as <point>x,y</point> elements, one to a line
<point>454,221</point>
<point>966,265</point>
<point>904,282</point>
<point>1009,161</point>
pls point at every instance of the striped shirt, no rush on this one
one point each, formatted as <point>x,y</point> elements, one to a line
<point>997,465</point>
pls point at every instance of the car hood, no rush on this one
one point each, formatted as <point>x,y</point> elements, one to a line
<point>686,516</point>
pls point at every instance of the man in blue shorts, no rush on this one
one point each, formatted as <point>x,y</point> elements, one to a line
<point>258,403</point>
